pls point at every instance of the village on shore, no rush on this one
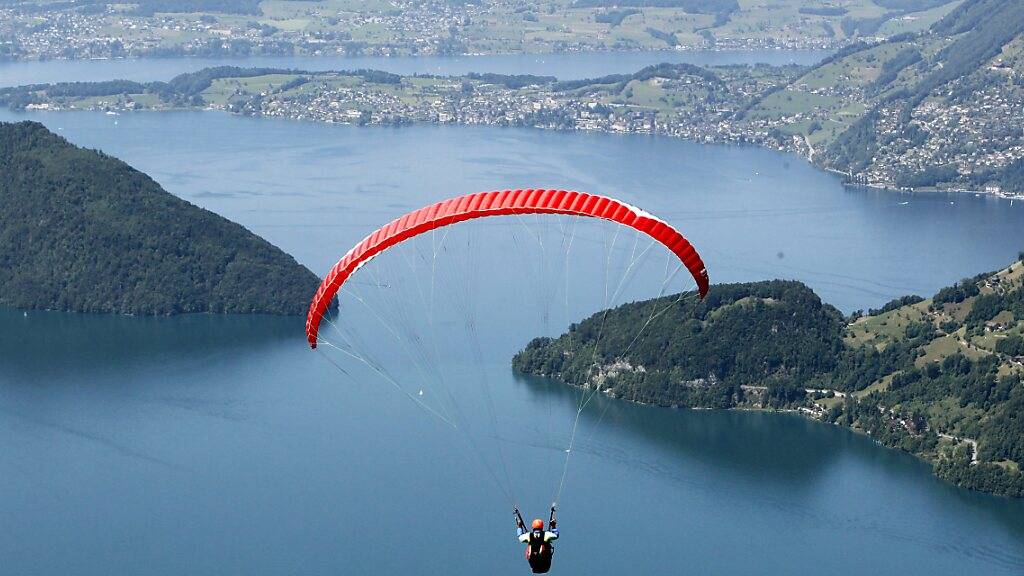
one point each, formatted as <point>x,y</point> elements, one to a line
<point>723,105</point>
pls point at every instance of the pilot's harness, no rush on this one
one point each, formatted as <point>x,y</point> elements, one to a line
<point>537,546</point>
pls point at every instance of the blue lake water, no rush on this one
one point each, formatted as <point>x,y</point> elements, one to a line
<point>753,213</point>
<point>208,445</point>
<point>565,66</point>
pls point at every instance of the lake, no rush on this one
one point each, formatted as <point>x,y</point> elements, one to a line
<point>754,214</point>
<point>209,445</point>
<point>202,445</point>
<point>565,66</point>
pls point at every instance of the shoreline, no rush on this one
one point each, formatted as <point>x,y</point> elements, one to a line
<point>809,158</point>
<point>811,415</point>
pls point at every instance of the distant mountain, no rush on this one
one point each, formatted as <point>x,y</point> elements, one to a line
<point>81,231</point>
<point>937,377</point>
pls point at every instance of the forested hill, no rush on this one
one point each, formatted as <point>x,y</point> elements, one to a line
<point>81,231</point>
<point>937,377</point>
<point>697,353</point>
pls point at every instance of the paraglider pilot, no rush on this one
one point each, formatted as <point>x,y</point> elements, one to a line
<point>538,541</point>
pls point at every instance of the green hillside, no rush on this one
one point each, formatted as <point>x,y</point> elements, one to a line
<point>48,29</point>
<point>938,377</point>
<point>81,231</point>
<point>938,108</point>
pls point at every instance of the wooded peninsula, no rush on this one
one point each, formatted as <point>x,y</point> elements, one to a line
<point>939,378</point>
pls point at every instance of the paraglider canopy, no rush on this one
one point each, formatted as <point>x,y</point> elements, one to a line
<point>499,203</point>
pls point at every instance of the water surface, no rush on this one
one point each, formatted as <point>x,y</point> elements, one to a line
<point>313,189</point>
<point>563,66</point>
<point>208,445</point>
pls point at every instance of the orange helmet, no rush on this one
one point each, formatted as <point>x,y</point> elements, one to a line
<point>538,524</point>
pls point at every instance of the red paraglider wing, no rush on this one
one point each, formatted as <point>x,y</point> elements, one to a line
<point>499,203</point>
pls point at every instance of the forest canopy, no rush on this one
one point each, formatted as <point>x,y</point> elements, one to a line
<point>82,231</point>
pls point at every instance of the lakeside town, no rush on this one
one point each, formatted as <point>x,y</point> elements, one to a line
<point>983,133</point>
<point>724,104</point>
<point>154,28</point>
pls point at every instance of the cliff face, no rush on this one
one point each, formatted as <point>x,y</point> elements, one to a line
<point>81,231</point>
